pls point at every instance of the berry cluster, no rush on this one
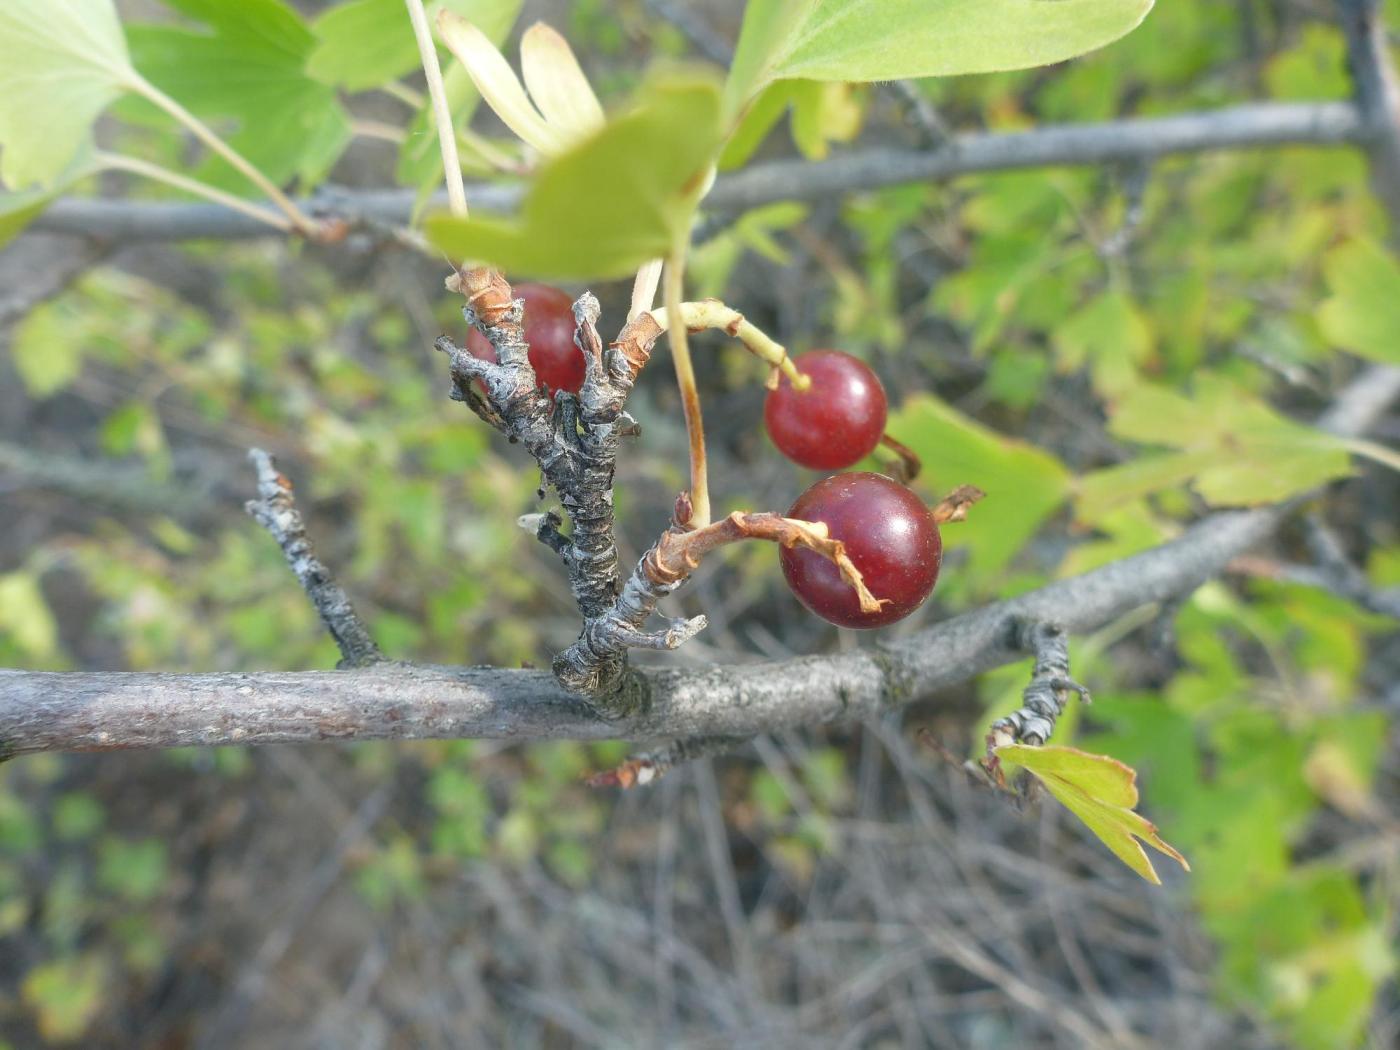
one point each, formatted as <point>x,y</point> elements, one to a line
<point>889,534</point>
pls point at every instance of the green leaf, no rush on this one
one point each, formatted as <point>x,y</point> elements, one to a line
<point>25,615</point>
<point>1023,484</point>
<point>1100,791</point>
<point>1234,448</point>
<point>66,996</point>
<point>61,63</point>
<point>366,43</point>
<point>619,198</point>
<point>249,66</point>
<point>1111,336</point>
<point>1363,314</point>
<point>867,40</point>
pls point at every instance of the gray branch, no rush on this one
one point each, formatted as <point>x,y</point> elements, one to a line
<point>574,439</point>
<point>1377,92</point>
<point>276,511</point>
<point>1044,699</point>
<point>1116,141</point>
<point>44,711</point>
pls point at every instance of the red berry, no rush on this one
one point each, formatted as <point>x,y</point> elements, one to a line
<point>549,329</point>
<point>834,423</point>
<point>890,536</point>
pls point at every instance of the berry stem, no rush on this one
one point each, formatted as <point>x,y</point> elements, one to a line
<point>442,112</point>
<point>906,462</point>
<point>711,313</point>
<point>690,394</point>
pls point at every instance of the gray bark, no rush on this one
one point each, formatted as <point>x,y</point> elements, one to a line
<point>42,711</point>
<point>1115,141</point>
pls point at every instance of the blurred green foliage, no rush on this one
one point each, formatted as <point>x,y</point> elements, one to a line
<point>1168,303</point>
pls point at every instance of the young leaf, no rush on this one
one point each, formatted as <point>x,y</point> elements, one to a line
<point>1235,448</point>
<point>604,207</point>
<point>1100,791</point>
<point>366,43</point>
<point>61,63</point>
<point>866,40</point>
<point>1363,314</point>
<point>249,66</point>
<point>1111,336</point>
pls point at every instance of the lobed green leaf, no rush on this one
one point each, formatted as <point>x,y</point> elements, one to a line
<point>604,207</point>
<point>1101,792</point>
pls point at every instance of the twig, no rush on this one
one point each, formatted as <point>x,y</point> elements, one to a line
<point>650,766</point>
<point>1043,700</point>
<point>1376,88</point>
<point>574,438</point>
<point>663,569</point>
<point>275,510</point>
<point>1252,126</point>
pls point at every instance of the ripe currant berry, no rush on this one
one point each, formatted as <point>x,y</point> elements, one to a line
<point>549,329</point>
<point>835,422</point>
<point>890,537</point>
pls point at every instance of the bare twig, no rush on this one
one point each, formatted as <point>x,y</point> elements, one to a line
<point>650,766</point>
<point>1377,91</point>
<point>1252,126</point>
<point>275,510</point>
<point>1043,700</point>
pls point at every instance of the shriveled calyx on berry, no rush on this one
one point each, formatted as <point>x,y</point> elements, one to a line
<point>837,421</point>
<point>549,329</point>
<point>890,537</point>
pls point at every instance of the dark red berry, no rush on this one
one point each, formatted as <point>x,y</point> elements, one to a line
<point>890,536</point>
<point>549,329</point>
<point>834,423</point>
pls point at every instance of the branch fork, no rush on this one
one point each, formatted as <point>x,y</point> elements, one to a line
<point>1043,700</point>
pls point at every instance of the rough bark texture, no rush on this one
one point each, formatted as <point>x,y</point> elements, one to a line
<point>42,711</point>
<point>573,438</point>
<point>276,511</point>
<point>1237,127</point>
<point>1377,92</point>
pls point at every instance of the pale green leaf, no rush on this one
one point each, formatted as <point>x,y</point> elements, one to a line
<point>61,63</point>
<point>604,207</point>
<point>25,615</point>
<point>45,353</point>
<point>65,996</point>
<point>1110,336</point>
<point>1363,314</point>
<point>1234,448</point>
<point>1023,484</point>
<point>868,40</point>
<point>248,66</point>
<point>367,43</point>
<point>1100,791</point>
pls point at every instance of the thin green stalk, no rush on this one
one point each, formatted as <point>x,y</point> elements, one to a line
<point>299,219</point>
<point>442,113</point>
<point>1388,457</point>
<point>690,394</point>
<point>137,166</point>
